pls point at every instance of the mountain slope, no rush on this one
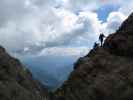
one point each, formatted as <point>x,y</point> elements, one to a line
<point>16,81</point>
<point>106,73</point>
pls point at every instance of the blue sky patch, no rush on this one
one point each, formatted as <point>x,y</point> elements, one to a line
<point>104,11</point>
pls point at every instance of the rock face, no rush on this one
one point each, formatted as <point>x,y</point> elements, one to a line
<point>106,73</point>
<point>16,81</point>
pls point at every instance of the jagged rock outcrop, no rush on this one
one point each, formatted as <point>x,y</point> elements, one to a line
<point>16,82</point>
<point>106,73</point>
<point>121,42</point>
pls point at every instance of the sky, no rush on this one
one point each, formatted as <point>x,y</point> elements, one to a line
<point>27,25</point>
<point>40,29</point>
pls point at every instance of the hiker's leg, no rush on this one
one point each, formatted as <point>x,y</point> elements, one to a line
<point>101,43</point>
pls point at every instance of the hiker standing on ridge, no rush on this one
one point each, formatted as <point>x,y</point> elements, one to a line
<point>101,38</point>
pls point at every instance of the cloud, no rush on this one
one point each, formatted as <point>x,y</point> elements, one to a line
<point>126,7</point>
<point>114,21</point>
<point>12,10</point>
<point>115,18</point>
<point>49,27</point>
<point>34,24</point>
<point>77,5</point>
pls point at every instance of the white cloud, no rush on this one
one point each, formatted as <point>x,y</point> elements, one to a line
<point>126,7</point>
<point>76,5</point>
<point>64,51</point>
<point>114,21</point>
<point>50,23</point>
<point>48,27</point>
<point>116,18</point>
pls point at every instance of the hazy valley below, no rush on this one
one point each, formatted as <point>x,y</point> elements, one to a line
<point>52,69</point>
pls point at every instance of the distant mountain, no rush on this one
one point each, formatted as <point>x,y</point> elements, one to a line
<point>50,70</point>
<point>106,73</point>
<point>16,82</point>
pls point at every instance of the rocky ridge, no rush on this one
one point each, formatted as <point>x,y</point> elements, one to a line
<point>16,82</point>
<point>106,73</point>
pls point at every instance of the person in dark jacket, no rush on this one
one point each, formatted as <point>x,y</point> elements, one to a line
<point>101,38</point>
